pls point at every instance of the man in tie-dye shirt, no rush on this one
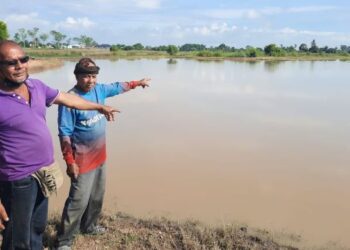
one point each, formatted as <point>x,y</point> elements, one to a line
<point>83,144</point>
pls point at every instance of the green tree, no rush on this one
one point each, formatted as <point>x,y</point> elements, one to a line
<point>138,46</point>
<point>172,50</point>
<point>273,50</point>
<point>85,41</point>
<point>58,37</point>
<point>33,34</point>
<point>69,41</point>
<point>223,47</point>
<point>269,49</point>
<point>313,48</point>
<point>3,31</point>
<point>128,47</point>
<point>43,37</point>
<point>344,48</point>
<point>116,47</point>
<point>332,50</point>
<point>160,48</point>
<point>192,47</point>
<point>17,38</point>
<point>250,51</point>
<point>21,37</point>
<point>303,47</point>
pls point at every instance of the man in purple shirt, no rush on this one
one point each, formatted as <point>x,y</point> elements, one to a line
<point>26,146</point>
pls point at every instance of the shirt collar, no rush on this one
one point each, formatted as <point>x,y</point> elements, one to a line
<point>29,83</point>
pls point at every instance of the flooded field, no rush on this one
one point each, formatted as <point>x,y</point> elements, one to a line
<point>264,143</point>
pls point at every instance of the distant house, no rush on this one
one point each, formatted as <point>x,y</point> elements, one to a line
<point>104,46</point>
<point>75,46</point>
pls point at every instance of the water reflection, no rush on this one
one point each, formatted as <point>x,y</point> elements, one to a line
<point>209,61</point>
<point>264,143</point>
<point>171,61</point>
<point>272,66</point>
<point>114,59</point>
<point>253,64</point>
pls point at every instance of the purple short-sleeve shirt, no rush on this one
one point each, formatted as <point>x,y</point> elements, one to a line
<point>25,140</point>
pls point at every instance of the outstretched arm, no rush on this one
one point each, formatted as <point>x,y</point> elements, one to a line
<point>77,102</point>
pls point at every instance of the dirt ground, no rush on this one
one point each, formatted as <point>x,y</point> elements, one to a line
<point>38,65</point>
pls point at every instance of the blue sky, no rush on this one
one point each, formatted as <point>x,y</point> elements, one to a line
<point>162,22</point>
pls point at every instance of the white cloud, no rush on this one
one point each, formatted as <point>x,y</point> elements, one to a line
<point>271,11</point>
<point>289,36</point>
<point>76,23</point>
<point>252,14</point>
<point>311,9</point>
<point>174,33</point>
<point>213,29</point>
<point>342,38</point>
<point>22,17</point>
<point>148,4</point>
<point>233,13</point>
<point>257,13</point>
<point>130,22</point>
<point>288,31</point>
<point>317,33</point>
<point>26,20</point>
<point>213,34</point>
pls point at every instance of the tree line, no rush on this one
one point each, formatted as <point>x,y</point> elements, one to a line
<point>248,51</point>
<point>55,39</point>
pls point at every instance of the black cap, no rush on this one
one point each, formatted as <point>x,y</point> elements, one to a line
<point>82,67</point>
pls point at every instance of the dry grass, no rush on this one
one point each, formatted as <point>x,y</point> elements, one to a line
<point>93,52</point>
<point>127,232</point>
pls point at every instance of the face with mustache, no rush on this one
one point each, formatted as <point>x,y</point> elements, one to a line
<point>13,65</point>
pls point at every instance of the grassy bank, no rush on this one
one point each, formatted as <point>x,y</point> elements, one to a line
<point>38,65</point>
<point>126,232</point>
<point>93,52</point>
<point>201,55</point>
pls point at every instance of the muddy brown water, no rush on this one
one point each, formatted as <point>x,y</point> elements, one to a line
<point>264,143</point>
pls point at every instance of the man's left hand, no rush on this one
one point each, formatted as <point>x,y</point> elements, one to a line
<point>108,112</point>
<point>144,82</point>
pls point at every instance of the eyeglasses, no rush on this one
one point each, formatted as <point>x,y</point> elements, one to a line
<point>14,62</point>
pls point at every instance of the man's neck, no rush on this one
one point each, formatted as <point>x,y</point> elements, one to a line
<point>10,86</point>
<point>18,89</point>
